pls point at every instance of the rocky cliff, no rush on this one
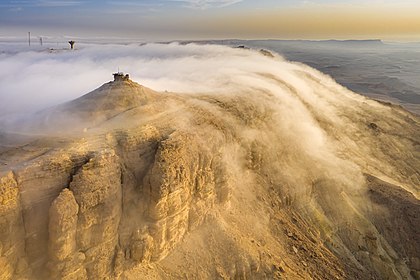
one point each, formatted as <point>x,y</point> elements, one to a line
<point>136,184</point>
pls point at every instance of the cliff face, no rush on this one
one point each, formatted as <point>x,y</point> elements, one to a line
<point>11,227</point>
<point>109,208</point>
<point>195,186</point>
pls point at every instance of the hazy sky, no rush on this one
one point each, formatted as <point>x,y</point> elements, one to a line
<point>201,19</point>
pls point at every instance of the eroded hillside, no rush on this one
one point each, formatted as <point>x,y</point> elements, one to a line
<point>276,182</point>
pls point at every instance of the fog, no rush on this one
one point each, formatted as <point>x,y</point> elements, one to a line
<point>293,104</point>
<point>35,78</point>
<point>31,80</point>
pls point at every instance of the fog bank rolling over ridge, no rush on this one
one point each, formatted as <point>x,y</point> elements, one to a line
<point>383,71</point>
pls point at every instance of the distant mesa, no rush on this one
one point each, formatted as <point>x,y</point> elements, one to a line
<point>262,51</point>
<point>242,47</point>
<point>266,53</point>
<point>369,41</point>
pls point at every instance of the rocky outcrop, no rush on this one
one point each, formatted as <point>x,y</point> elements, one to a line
<point>110,209</point>
<point>84,220</point>
<point>12,231</point>
<point>181,189</point>
<point>63,226</point>
<point>65,260</point>
<point>97,190</point>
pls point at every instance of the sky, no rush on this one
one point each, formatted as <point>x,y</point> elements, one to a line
<point>213,19</point>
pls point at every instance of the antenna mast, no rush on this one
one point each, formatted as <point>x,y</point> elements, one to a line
<point>29,38</point>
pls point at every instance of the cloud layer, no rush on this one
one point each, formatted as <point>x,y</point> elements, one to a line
<point>33,79</point>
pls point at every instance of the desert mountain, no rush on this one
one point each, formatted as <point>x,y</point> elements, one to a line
<point>274,183</point>
<point>96,107</point>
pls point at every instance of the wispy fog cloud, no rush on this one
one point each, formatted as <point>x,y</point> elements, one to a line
<point>32,79</point>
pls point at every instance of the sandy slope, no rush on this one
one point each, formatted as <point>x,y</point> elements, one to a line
<point>258,184</point>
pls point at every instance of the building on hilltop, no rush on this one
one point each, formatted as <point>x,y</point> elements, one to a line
<point>119,76</point>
